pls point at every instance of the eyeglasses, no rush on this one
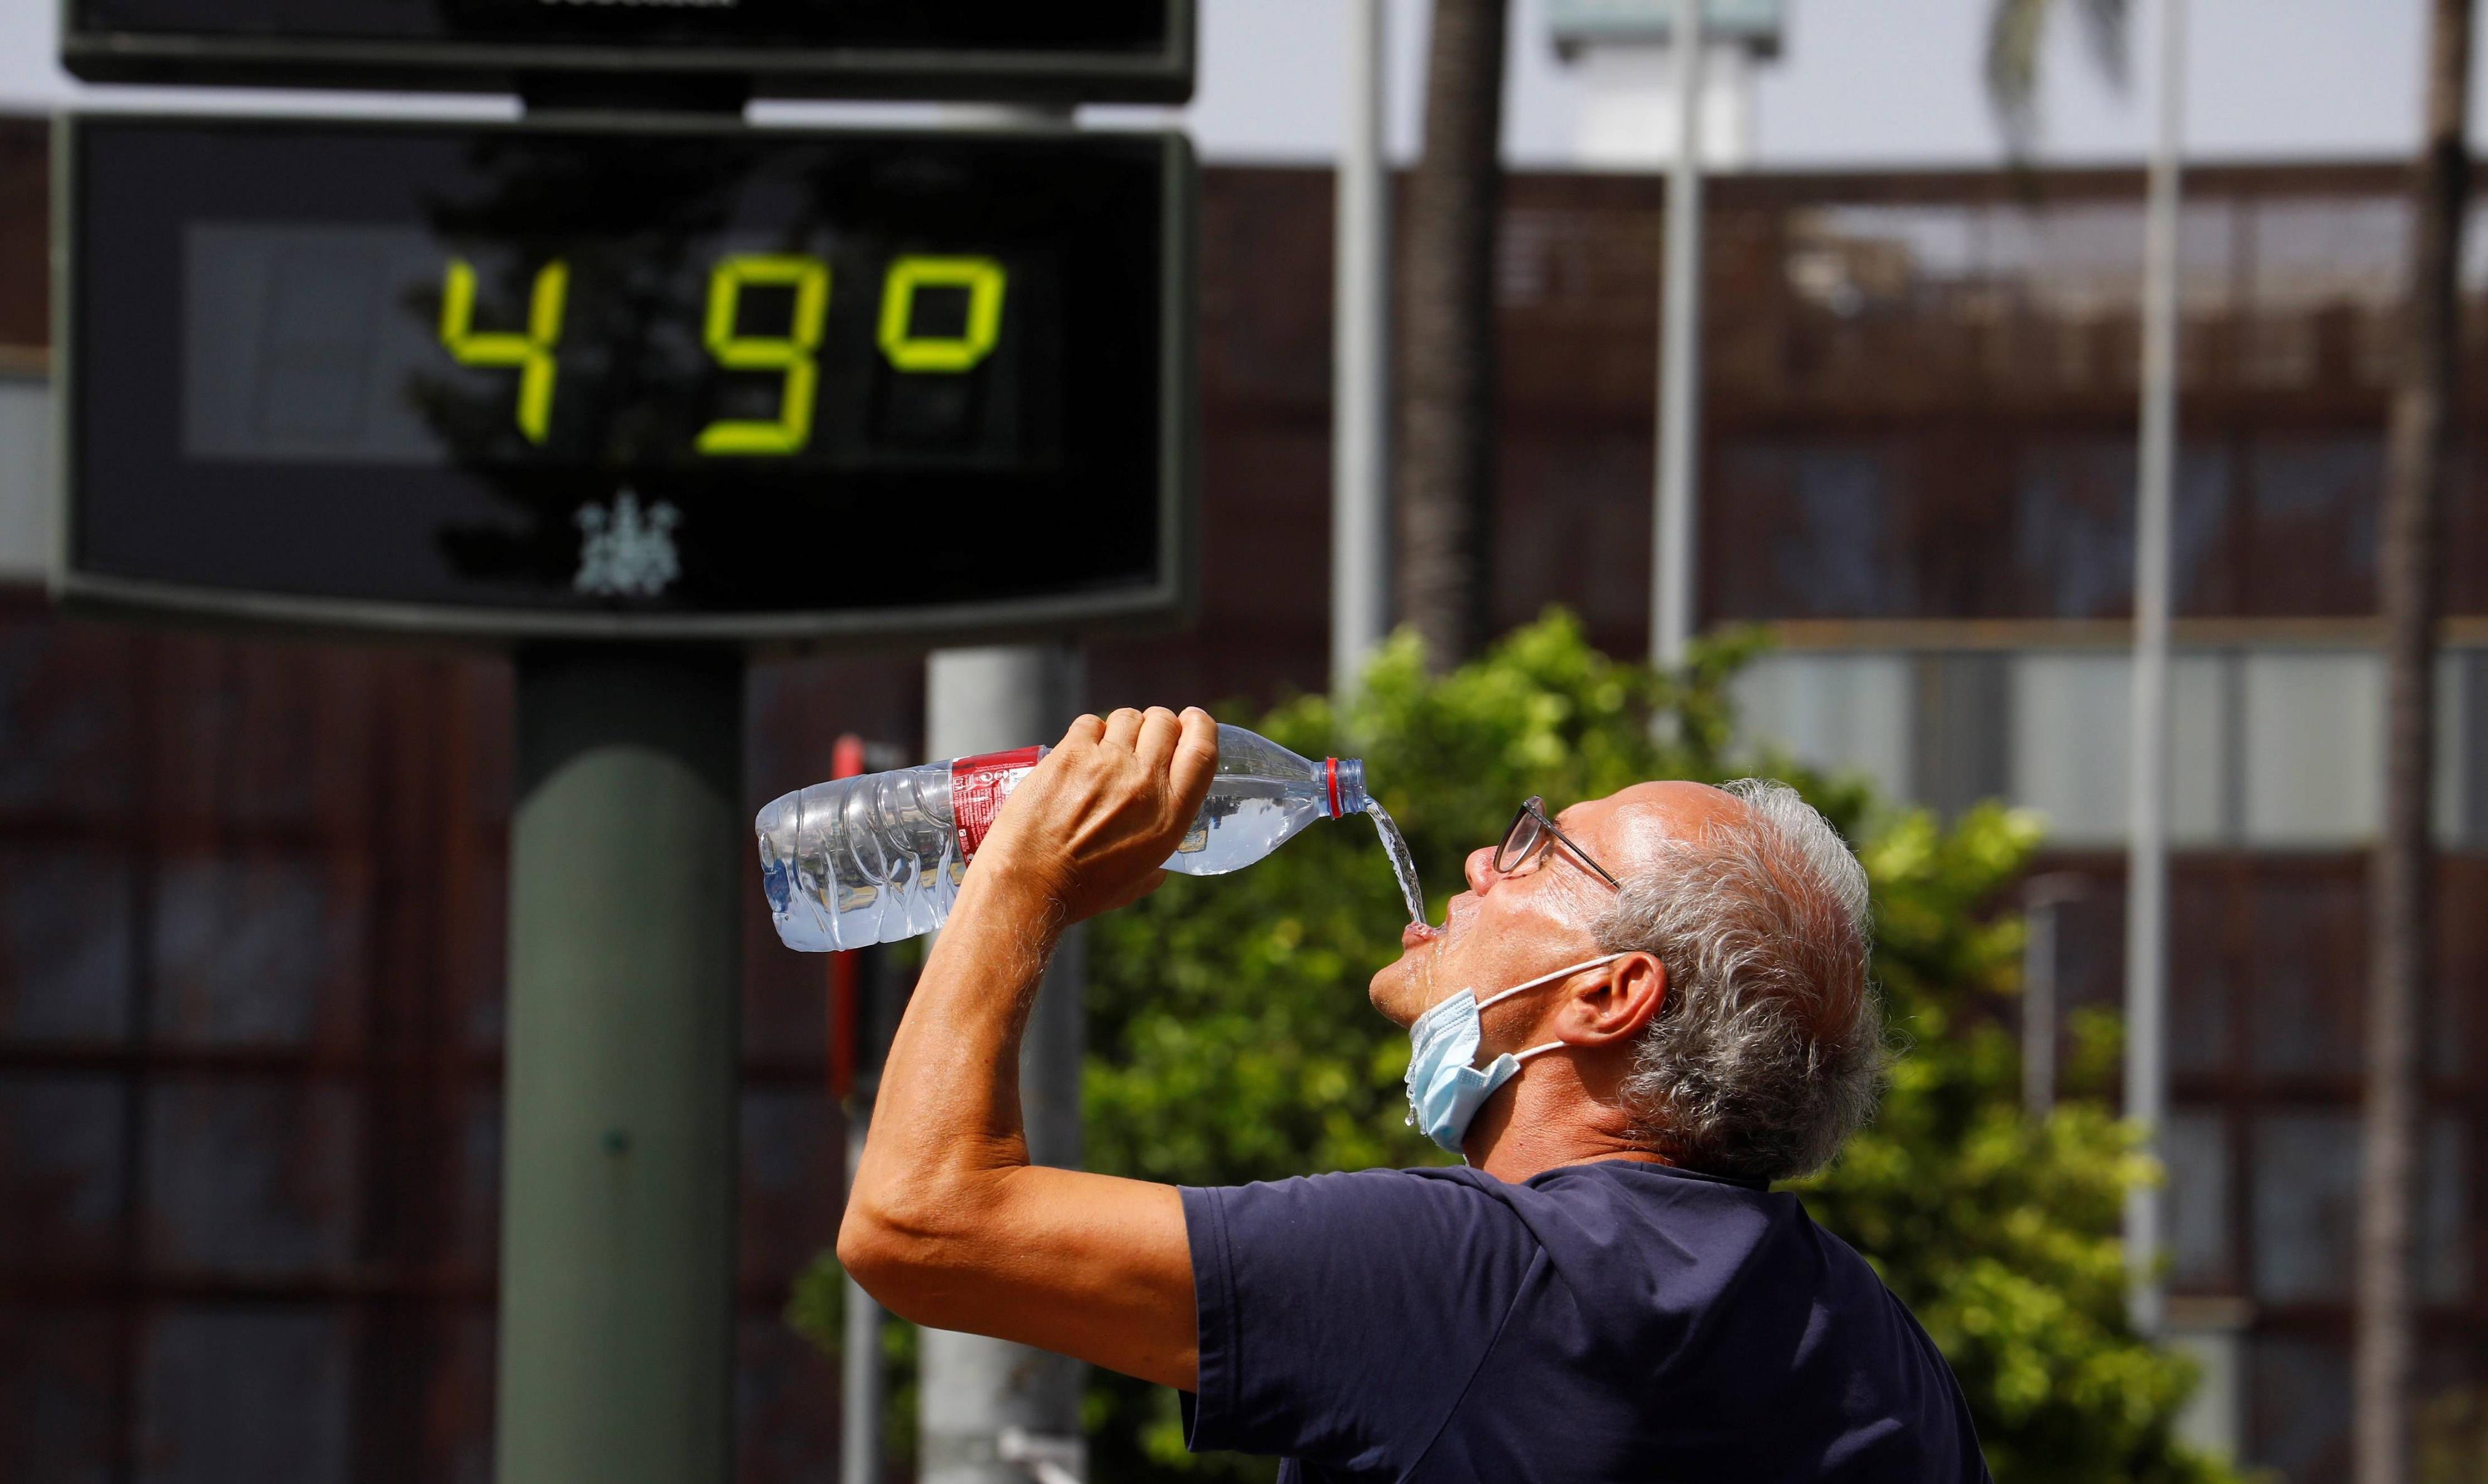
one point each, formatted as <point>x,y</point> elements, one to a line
<point>1531,830</point>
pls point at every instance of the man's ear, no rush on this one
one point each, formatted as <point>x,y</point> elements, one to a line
<point>1619,1005</point>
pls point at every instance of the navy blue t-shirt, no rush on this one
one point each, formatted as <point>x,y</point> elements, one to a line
<point>1604,1322</point>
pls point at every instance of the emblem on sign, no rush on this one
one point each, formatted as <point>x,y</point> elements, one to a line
<point>625,553</point>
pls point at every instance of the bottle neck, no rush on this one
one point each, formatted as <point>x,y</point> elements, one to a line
<point>1344,787</point>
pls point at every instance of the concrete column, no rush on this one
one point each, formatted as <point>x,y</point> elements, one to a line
<point>628,856</point>
<point>983,1399</point>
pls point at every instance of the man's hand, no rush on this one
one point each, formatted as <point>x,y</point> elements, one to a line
<point>1089,828</point>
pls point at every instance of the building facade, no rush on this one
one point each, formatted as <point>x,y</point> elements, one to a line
<point>251,892</point>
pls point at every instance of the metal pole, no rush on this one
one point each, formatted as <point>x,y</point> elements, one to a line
<point>863,1391</point>
<point>2039,1012</point>
<point>2146,942</point>
<point>628,856</point>
<point>1680,373</point>
<point>987,1403</point>
<point>1360,580</point>
<point>2043,897</point>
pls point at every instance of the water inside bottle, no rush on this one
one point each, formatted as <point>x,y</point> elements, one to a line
<point>1403,864</point>
<point>1243,822</point>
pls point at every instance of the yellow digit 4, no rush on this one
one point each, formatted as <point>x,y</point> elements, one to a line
<point>790,353</point>
<point>983,279</point>
<point>531,350</point>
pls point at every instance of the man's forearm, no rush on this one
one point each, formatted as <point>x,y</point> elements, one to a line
<point>948,1117</point>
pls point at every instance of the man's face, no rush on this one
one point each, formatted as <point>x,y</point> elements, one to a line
<point>1506,929</point>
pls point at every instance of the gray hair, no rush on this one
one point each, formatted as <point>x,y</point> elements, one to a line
<point>1768,1051</point>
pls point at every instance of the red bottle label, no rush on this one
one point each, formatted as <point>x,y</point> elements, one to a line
<point>978,785</point>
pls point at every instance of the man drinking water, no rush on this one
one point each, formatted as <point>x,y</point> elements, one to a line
<point>1642,1011</point>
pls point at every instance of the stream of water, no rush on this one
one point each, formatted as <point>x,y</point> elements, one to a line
<point>1403,864</point>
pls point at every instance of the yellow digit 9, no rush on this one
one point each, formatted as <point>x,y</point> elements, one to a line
<point>531,350</point>
<point>983,279</point>
<point>790,353</point>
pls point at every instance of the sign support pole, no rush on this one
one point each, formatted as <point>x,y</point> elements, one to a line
<point>626,858</point>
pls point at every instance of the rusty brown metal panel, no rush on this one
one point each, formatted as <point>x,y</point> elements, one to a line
<point>59,1373</point>
<point>1266,287</point>
<point>239,1074</point>
<point>25,239</point>
<point>786,1415</point>
<point>1262,630</point>
<point>250,986</point>
<point>793,1180</point>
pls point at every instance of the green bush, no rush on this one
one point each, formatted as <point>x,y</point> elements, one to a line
<point>1231,1041</point>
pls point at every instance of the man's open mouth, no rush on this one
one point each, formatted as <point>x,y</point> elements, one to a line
<point>1418,934</point>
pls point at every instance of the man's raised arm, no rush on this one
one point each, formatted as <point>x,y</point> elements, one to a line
<point>949,1224</point>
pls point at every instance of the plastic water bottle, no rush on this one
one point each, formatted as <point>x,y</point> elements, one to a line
<point>878,858</point>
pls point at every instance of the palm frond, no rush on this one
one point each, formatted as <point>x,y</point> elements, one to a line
<point>2105,26</point>
<point>2016,30</point>
<point>2013,29</point>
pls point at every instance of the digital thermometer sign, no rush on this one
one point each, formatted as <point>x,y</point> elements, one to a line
<point>701,380</point>
<point>1092,50</point>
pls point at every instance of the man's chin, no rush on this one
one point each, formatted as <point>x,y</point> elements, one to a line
<point>1380,989</point>
<point>1397,988</point>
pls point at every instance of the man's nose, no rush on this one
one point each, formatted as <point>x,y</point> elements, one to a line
<point>1479,869</point>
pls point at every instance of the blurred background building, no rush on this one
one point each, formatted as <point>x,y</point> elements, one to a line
<point>252,892</point>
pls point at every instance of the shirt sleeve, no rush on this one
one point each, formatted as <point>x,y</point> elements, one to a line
<point>1341,1316</point>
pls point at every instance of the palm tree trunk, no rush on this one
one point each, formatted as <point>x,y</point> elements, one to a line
<point>2418,462</point>
<point>1447,445</point>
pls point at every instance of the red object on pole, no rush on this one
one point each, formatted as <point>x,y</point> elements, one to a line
<point>846,760</point>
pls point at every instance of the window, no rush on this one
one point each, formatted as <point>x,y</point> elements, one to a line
<point>1840,712</point>
<point>2072,745</point>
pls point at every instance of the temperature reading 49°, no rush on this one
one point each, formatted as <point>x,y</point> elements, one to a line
<point>741,339</point>
<point>392,363</point>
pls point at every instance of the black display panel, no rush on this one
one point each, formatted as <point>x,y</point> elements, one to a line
<point>702,380</point>
<point>1105,50</point>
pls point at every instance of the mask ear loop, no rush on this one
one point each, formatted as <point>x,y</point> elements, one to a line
<point>1543,979</point>
<point>1565,972</point>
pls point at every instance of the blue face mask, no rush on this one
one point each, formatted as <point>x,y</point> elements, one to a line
<point>1445,1090</point>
